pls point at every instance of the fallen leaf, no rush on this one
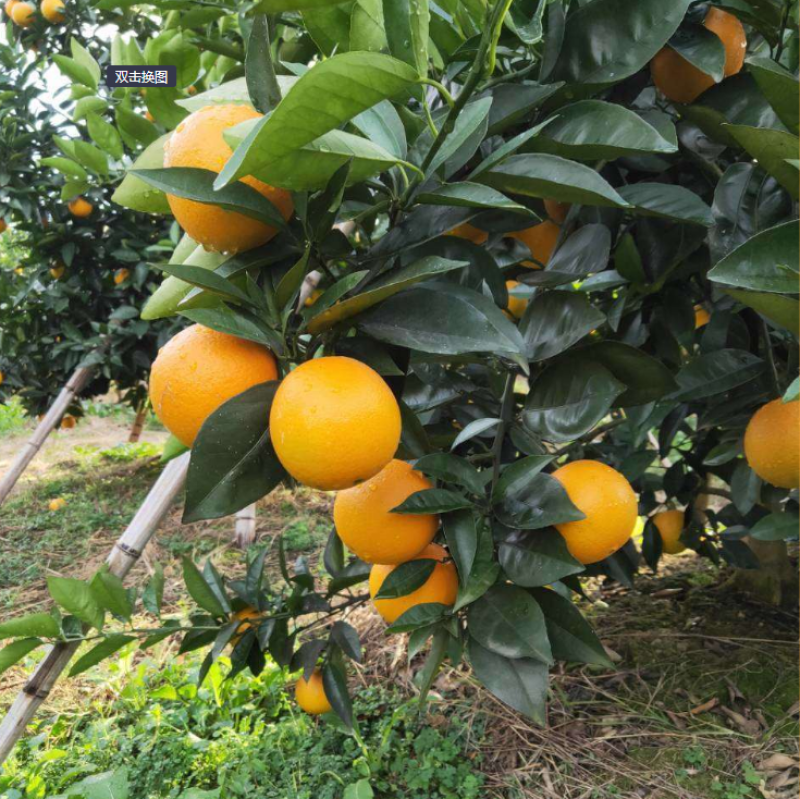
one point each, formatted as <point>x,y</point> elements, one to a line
<point>705,706</point>
<point>777,762</point>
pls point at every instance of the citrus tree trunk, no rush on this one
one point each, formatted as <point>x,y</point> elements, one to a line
<point>138,423</point>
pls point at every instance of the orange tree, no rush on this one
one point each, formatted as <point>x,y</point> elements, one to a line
<point>470,267</point>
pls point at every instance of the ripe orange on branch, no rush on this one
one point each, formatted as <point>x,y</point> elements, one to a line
<point>311,695</point>
<point>441,587</point>
<point>670,526</point>
<point>556,211</point>
<point>470,233</point>
<point>540,240</point>
<point>198,143</point>
<point>516,305</point>
<point>334,423</point>
<point>80,208</point>
<point>772,443</point>
<point>23,14</point>
<point>682,82</point>
<point>609,503</point>
<point>369,529</point>
<point>198,370</point>
<point>53,11</point>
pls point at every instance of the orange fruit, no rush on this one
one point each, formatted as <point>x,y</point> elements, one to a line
<point>312,298</point>
<point>3,223</point>
<point>68,422</point>
<point>369,529</point>
<point>57,272</point>
<point>148,116</point>
<point>334,423</point>
<point>701,317</point>
<point>556,211</point>
<point>120,276</point>
<point>191,91</point>
<point>9,5</point>
<point>198,142</point>
<point>2,377</point>
<point>80,207</point>
<point>243,616</point>
<point>311,695</point>
<point>56,504</point>
<point>682,82</point>
<point>540,240</point>
<point>441,586</point>
<point>469,232</point>
<point>23,14</point>
<point>609,503</point>
<point>670,527</point>
<point>516,305</point>
<point>53,11</point>
<point>198,370</point>
<point>771,443</point>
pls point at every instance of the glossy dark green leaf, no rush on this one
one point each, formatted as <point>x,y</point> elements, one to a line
<point>109,592</point>
<point>471,195</point>
<point>527,499</point>
<point>745,488</point>
<point>233,463</point>
<point>565,402</point>
<point>507,621</point>
<point>382,125</point>
<point>520,683</point>
<point>777,527</point>
<point>433,500</point>
<point>262,84</point>
<point>462,537</point>
<point>770,261</point>
<point>135,126</point>
<point>667,201</point>
<point>15,651</point>
<point>418,616</point>
<point>451,322</point>
<point>76,598</point>
<point>198,185</point>
<point>571,637</point>
<point>470,127</point>
<point>329,94</point>
<point>540,175</point>
<point>607,41</point>
<point>702,48</point>
<point>367,27</point>
<point>772,149</point>
<point>335,684</point>
<point>100,652</point>
<point>484,570</point>
<point>590,130</point>
<point>451,469</point>
<point>153,595</point>
<point>715,372</point>
<point>555,320</point>
<point>407,24</point>
<point>105,135</point>
<point>329,26</point>
<point>781,310</point>
<point>31,626</point>
<point>236,323</point>
<point>406,578</point>
<point>199,589</point>
<point>780,88</point>
<point>346,638</point>
<point>532,558</point>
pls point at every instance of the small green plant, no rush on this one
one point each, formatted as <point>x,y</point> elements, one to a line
<point>13,418</point>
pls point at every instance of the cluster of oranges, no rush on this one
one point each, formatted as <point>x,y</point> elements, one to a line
<point>24,14</point>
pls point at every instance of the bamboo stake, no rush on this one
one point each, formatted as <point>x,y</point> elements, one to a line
<point>138,423</point>
<point>245,532</point>
<point>121,559</point>
<point>76,384</point>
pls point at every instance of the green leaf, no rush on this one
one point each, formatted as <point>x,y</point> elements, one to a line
<point>76,598</point>
<point>779,86</point>
<point>262,83</point>
<point>137,195</point>
<point>109,592</point>
<point>769,261</point>
<point>335,685</point>
<point>329,26</point>
<point>200,591</point>
<point>31,626</point>
<point>406,578</point>
<point>75,71</point>
<point>607,41</point>
<point>278,6</point>
<point>781,310</point>
<point>484,572</point>
<point>366,26</point>
<point>555,320</point>
<point>550,176</point>
<point>449,322</point>
<point>66,166</point>
<point>153,595</point>
<point>198,185</point>
<point>592,129</point>
<point>93,159</point>
<point>471,195</point>
<point>451,469</point>
<point>772,149</point>
<point>105,135</point>
<point>382,125</point>
<point>536,558</point>
<point>571,636</point>
<point>407,25</point>
<point>668,202</point>
<point>205,279</point>
<point>329,94</point>
<point>462,538</point>
<point>83,57</point>
<point>233,462</point>
<point>432,500</point>
<point>100,652</point>
<point>237,323</point>
<point>395,281</point>
<point>793,392</point>
<point>776,527</point>
<point>358,790</point>
<point>418,616</point>
<point>716,372</point>
<point>520,683</point>
<point>136,126</point>
<point>15,651</point>
<point>702,48</point>
<point>470,129</point>
<point>231,92</point>
<point>527,499</point>
<point>565,402</point>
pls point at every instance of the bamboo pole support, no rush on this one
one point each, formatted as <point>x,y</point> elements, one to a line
<point>76,384</point>
<point>138,423</point>
<point>245,531</point>
<point>120,560</point>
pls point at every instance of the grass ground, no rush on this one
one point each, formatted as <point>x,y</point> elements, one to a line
<point>703,701</point>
